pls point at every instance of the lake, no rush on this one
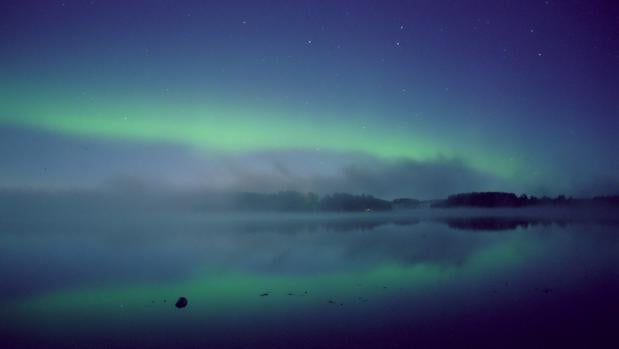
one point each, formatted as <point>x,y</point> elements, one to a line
<point>398,280</point>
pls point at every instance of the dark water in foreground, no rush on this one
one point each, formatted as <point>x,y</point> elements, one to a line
<point>296,281</point>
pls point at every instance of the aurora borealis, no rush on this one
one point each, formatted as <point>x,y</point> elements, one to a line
<point>287,167</point>
<point>421,98</point>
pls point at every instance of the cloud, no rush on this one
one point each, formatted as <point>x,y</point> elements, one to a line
<point>36,158</point>
<point>386,178</point>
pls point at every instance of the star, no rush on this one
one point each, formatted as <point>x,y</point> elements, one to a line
<point>309,42</point>
<point>397,43</point>
<point>402,27</point>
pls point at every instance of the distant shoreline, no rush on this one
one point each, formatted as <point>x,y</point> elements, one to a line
<point>89,201</point>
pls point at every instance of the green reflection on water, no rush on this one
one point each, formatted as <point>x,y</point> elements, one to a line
<point>233,299</point>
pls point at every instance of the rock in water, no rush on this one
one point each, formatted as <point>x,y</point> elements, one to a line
<point>181,302</point>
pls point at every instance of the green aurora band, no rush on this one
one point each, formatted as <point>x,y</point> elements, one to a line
<point>215,127</point>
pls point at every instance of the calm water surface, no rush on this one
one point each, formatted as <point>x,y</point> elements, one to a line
<point>300,281</point>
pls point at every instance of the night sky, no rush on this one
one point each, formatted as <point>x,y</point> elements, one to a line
<point>391,98</point>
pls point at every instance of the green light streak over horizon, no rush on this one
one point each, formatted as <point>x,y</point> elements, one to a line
<point>211,127</point>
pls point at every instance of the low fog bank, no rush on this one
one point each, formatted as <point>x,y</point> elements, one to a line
<point>33,209</point>
<point>139,196</point>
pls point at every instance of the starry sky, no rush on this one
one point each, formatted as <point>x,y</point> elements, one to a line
<point>391,98</point>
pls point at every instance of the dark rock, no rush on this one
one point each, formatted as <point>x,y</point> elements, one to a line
<point>264,294</point>
<point>181,302</point>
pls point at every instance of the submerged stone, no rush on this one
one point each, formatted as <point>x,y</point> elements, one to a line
<point>181,302</point>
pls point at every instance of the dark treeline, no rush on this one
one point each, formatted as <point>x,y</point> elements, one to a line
<point>500,199</point>
<point>295,201</point>
<point>348,202</point>
<point>14,201</point>
<point>405,203</point>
